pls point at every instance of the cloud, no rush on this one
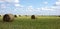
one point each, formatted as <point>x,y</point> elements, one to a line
<point>58,3</point>
<point>16,1</point>
<point>1,1</point>
<point>45,2</point>
<point>3,6</point>
<point>38,8</point>
<point>10,1</point>
<point>17,5</point>
<point>30,8</point>
<point>56,6</point>
<point>46,8</point>
<point>58,0</point>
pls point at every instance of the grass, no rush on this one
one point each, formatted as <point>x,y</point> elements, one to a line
<point>27,23</point>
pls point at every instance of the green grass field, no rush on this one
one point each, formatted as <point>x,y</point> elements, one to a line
<point>28,23</point>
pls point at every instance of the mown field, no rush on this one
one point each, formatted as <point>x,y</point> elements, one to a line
<point>28,23</point>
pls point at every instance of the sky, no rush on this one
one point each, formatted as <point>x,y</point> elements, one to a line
<point>30,7</point>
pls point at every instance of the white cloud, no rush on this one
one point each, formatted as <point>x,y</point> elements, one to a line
<point>46,8</point>
<point>38,8</point>
<point>9,0</point>
<point>57,3</point>
<point>55,7</point>
<point>45,2</point>
<point>3,6</point>
<point>17,4</point>
<point>58,0</point>
<point>16,1</point>
<point>30,8</point>
<point>1,1</point>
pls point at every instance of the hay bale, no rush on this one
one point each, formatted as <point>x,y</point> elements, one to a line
<point>33,17</point>
<point>19,15</point>
<point>26,15</point>
<point>8,18</point>
<point>0,15</point>
<point>59,16</point>
<point>15,15</point>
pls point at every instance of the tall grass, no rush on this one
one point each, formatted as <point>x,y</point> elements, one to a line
<point>28,23</point>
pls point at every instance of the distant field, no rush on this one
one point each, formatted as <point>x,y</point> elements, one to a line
<point>28,23</point>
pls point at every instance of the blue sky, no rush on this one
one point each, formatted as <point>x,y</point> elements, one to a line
<point>30,7</point>
<point>37,3</point>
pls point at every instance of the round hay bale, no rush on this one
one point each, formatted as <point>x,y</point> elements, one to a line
<point>19,15</point>
<point>8,17</point>
<point>0,15</point>
<point>26,15</point>
<point>33,17</point>
<point>15,15</point>
<point>59,16</point>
